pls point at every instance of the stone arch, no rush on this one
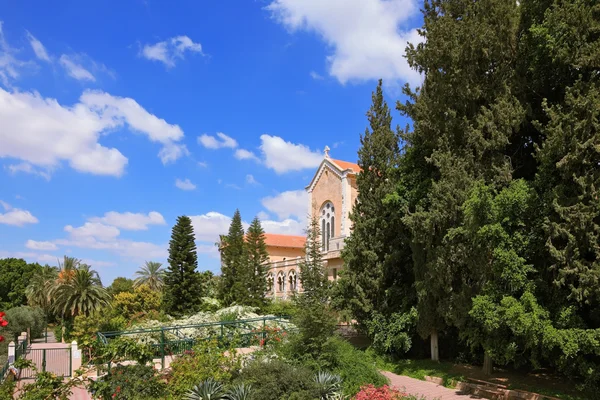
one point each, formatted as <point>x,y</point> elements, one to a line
<point>327,223</point>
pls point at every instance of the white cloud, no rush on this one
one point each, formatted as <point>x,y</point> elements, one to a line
<point>75,70</point>
<point>38,48</point>
<point>10,66</point>
<point>45,246</point>
<point>286,227</point>
<point>170,50</point>
<point>185,184</point>
<point>251,180</point>
<point>315,76</point>
<point>283,156</point>
<point>28,169</point>
<point>29,256</point>
<point>208,227</point>
<point>202,164</point>
<point>221,141</point>
<point>243,154</point>
<point>263,215</point>
<point>293,203</point>
<point>367,37</point>
<point>44,133</point>
<point>16,216</point>
<point>130,221</point>
<point>93,230</point>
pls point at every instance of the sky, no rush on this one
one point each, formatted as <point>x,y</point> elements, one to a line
<point>116,117</point>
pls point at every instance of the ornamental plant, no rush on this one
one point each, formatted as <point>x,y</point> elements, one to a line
<point>3,323</point>
<point>385,392</point>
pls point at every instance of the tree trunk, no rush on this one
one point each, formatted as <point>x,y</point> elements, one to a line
<point>487,364</point>
<point>435,354</point>
<point>63,329</point>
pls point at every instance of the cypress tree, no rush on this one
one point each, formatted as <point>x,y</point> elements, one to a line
<point>257,263</point>
<point>377,258</point>
<point>313,275</point>
<point>183,291</point>
<point>234,261</point>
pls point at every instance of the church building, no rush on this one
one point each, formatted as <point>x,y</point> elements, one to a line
<point>331,195</point>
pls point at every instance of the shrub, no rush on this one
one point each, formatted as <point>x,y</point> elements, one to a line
<point>129,382</point>
<point>85,330</point>
<point>206,360</point>
<point>276,380</point>
<point>283,308</point>
<point>24,317</point>
<point>385,392</point>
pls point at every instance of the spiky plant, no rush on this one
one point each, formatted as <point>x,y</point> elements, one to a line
<point>329,385</point>
<point>206,390</point>
<point>239,391</point>
<point>82,294</point>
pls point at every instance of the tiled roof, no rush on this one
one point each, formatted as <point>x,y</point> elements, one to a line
<point>344,165</point>
<point>275,240</point>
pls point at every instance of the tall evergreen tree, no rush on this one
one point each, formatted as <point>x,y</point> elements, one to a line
<point>182,286</point>
<point>258,258</point>
<point>377,257</point>
<point>313,275</point>
<point>234,261</point>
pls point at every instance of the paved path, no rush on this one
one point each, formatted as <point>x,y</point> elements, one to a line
<point>430,390</point>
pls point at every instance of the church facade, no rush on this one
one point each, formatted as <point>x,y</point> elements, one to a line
<point>331,195</point>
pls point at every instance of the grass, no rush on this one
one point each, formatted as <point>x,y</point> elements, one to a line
<point>451,373</point>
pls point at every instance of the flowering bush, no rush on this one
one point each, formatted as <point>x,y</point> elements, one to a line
<point>3,323</point>
<point>384,392</point>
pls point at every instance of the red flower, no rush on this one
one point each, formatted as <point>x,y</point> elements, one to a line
<point>2,314</point>
<point>1,338</point>
<point>3,323</point>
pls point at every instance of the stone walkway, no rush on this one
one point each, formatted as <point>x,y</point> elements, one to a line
<point>429,390</point>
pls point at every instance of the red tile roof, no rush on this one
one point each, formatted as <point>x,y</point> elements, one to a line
<point>275,240</point>
<point>344,165</point>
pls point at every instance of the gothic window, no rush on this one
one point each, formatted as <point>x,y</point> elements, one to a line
<point>270,282</point>
<point>293,280</point>
<point>281,282</point>
<point>327,215</point>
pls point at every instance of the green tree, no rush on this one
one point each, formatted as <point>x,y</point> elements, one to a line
<point>120,285</point>
<point>39,288</point>
<point>315,284</point>
<point>67,268</point>
<point>82,294</point>
<point>234,262</point>
<point>151,274</point>
<point>258,257</point>
<point>15,275</point>
<point>378,263</point>
<point>183,289</point>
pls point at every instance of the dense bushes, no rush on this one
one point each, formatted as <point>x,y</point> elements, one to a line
<point>130,382</point>
<point>24,317</point>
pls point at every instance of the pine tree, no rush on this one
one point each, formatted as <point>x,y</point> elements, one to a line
<point>313,275</point>
<point>377,256</point>
<point>182,290</point>
<point>258,258</point>
<point>234,261</point>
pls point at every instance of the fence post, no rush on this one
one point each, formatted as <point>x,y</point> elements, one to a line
<point>74,358</point>
<point>162,348</point>
<point>11,352</point>
<point>43,360</point>
<point>264,333</point>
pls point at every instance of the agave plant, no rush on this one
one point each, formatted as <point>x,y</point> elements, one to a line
<point>239,391</point>
<point>207,390</point>
<point>330,385</point>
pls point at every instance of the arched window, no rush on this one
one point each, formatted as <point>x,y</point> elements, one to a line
<point>270,282</point>
<point>281,282</point>
<point>293,280</point>
<point>327,215</point>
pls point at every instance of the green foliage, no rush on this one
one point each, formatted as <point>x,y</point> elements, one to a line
<point>15,275</point>
<point>120,285</point>
<point>125,349</point>
<point>312,272</point>
<point>85,330</point>
<point>256,267</point>
<point>234,262</point>
<point>278,380</point>
<point>206,360</point>
<point>46,386</point>
<point>39,288</point>
<point>394,334</point>
<point>152,275</point>
<point>7,387</point>
<point>285,308</point>
<point>139,304</point>
<point>183,288</point>
<point>81,293</point>
<point>22,318</point>
<point>129,382</point>
<point>208,389</point>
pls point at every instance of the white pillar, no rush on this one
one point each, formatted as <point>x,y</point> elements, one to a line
<point>75,357</point>
<point>11,352</point>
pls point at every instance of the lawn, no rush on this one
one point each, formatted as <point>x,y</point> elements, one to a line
<point>538,382</point>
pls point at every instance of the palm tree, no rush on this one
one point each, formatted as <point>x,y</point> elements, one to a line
<point>82,294</point>
<point>151,274</point>
<point>40,286</point>
<point>67,268</point>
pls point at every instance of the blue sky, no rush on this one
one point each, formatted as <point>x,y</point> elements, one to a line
<point>118,116</point>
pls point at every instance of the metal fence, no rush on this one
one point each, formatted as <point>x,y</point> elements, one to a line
<point>57,361</point>
<point>20,351</point>
<point>175,340</point>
